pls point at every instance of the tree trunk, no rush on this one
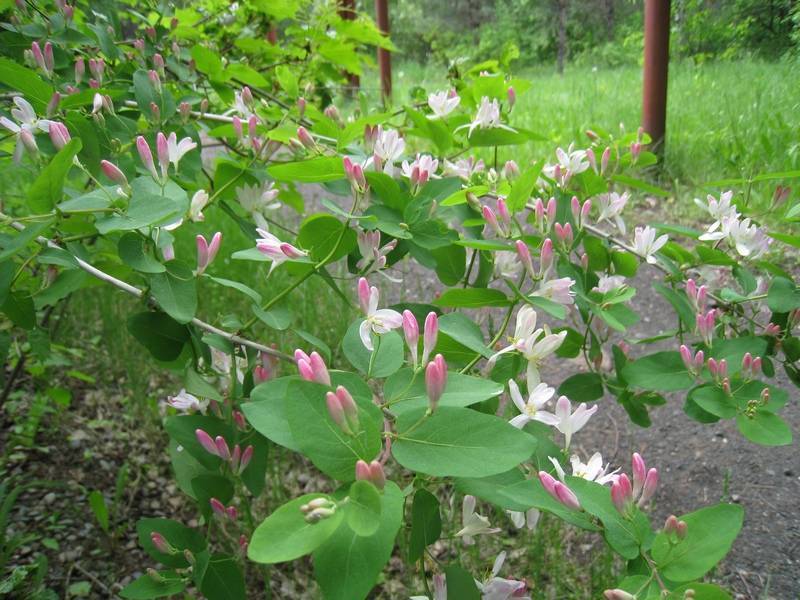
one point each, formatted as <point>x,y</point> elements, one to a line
<point>562,35</point>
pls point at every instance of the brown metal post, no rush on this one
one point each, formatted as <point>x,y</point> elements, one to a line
<point>384,58</point>
<point>656,59</point>
<point>347,11</point>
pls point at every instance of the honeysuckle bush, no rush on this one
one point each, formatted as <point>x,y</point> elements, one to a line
<point>107,112</point>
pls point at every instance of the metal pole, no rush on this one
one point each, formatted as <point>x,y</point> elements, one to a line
<point>384,58</point>
<point>656,59</point>
<point>347,11</point>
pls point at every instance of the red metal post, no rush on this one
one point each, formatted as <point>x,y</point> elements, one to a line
<point>656,60</point>
<point>384,58</point>
<point>347,11</point>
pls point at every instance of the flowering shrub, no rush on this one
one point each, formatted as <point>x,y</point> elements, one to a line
<point>107,123</point>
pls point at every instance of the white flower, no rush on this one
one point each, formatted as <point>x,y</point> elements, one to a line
<point>534,344</point>
<point>379,321</point>
<point>571,422</point>
<point>389,147</point>
<point>611,206</point>
<point>25,127</point>
<point>488,116</point>
<point>748,239</point>
<point>277,251</point>
<point>507,264</point>
<point>198,203</point>
<point>557,290</point>
<point>443,103</point>
<point>464,168</point>
<point>426,167</point>
<point>719,209</point>
<point>529,518</point>
<point>531,410</point>
<point>646,244</point>
<point>239,106</point>
<point>257,200</point>
<point>498,588</point>
<point>591,471</point>
<point>473,523</point>
<point>186,402</point>
<point>177,150</point>
<point>570,162</point>
<point>608,283</point>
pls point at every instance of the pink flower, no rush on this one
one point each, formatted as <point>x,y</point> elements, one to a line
<point>206,252</point>
<point>278,251</point>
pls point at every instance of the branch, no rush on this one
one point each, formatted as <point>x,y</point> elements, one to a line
<point>135,291</point>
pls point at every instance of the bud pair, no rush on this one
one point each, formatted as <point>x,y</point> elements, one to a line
<point>207,251</point>
<point>372,472</point>
<point>692,362</point>
<point>222,511</point>
<point>676,530</point>
<point>580,214</point>
<point>318,509</point>
<point>559,491</point>
<point>354,173</point>
<point>312,368</point>
<point>411,332</point>
<point>564,234</point>
<point>343,410</point>
<point>544,215</point>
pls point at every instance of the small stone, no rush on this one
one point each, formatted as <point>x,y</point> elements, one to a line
<point>49,498</point>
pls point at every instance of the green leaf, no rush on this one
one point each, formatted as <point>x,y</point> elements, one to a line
<point>347,566</point>
<point>710,534</point>
<point>426,523</point>
<point>13,244</point>
<point>640,185</point>
<point>132,251</point>
<point>18,307</point>
<point>459,442</point>
<point>159,333</point>
<point>27,82</point>
<point>530,493</point>
<point>266,412</point>
<point>463,330</point>
<point>223,579</point>
<point>403,391</point>
<point>482,138</point>
<point>320,234</point>
<point>472,298</point>
<point>48,189</point>
<point>713,400</point>
<point>523,187</point>
<point>582,387</point>
<point>680,302</point>
<point>332,451</point>
<point>175,291</point>
<point>783,295</point>
<point>460,584</point>
<point>178,535</point>
<point>491,489</point>
<point>451,263</point>
<point>99,508</point>
<point>315,170</point>
<point>285,535</point>
<point>765,428</point>
<point>662,371</point>
<point>235,285</point>
<point>363,508</point>
<point>389,353</point>
<point>146,587</point>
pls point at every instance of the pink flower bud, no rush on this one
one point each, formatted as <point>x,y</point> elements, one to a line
<point>239,420</point>
<point>546,257</point>
<point>158,62</point>
<point>491,219</point>
<point>38,56</point>
<point>538,211</point>
<point>52,106</point>
<point>222,448</point>
<point>682,530</point>
<point>300,355</point>
<point>551,210</point>
<point>524,254</point>
<point>206,442</point>
<point>252,126</point>
<point>377,475</point>
<point>319,369</point>
<point>585,210</point>
<point>168,252</point>
<point>622,493</point>
<point>756,368</point>
<point>566,496</point>
<point>146,156</point>
<point>247,456</point>
<point>671,525</point>
<point>162,150</point>
<point>747,363</point>
<point>548,482</point>
<point>304,367</point>
<point>502,211</point>
<point>138,45</point>
<point>349,407</point>
<point>247,96</point>
<point>301,107</point>
<point>59,134</point>
<point>28,140</point>
<point>723,368</point>
<point>232,513</point>
<point>604,160</point>
<point>435,380</point>
<point>726,386</point>
<point>618,594</point>
<point>512,97</point>
<point>113,172</point>
<point>364,294</point>
<point>592,159</point>
<point>699,359</point>
<point>49,61</point>
<point>636,150</point>
<point>80,70</point>
<point>564,233</point>
<point>649,487</point>
<point>430,335</point>
<point>218,507</point>
<point>336,412</point>
<point>362,471</point>
<point>575,207</point>
<point>161,544</point>
<point>639,470</point>
<point>511,170</point>
<point>154,78</point>
<point>305,138</point>
<point>411,332</point>
<point>237,127</point>
<point>185,110</point>
<point>686,357</point>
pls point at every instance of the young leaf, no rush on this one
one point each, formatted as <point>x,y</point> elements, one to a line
<point>363,508</point>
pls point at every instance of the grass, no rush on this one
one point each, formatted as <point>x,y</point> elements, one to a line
<point>724,120</point>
